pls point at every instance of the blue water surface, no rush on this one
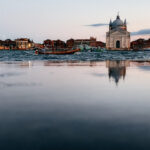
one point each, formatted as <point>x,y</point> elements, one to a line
<point>79,56</point>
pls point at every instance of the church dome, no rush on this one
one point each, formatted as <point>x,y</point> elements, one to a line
<point>117,22</point>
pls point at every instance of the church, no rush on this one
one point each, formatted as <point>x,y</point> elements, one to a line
<point>118,38</point>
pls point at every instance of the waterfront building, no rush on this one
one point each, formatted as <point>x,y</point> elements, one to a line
<point>98,44</point>
<point>59,44</point>
<point>54,43</point>
<point>7,44</point>
<point>70,43</point>
<point>84,42</point>
<point>2,45</point>
<point>38,45</point>
<point>24,44</point>
<point>92,42</point>
<point>118,38</point>
<point>48,43</point>
<point>140,44</point>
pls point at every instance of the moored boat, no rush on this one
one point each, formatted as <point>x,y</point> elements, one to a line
<point>57,52</point>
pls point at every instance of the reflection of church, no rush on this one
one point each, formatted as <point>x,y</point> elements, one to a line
<point>118,38</point>
<point>117,69</point>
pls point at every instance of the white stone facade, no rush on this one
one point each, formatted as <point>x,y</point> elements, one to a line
<point>118,38</point>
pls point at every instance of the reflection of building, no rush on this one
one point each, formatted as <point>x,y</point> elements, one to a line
<point>118,38</point>
<point>26,64</point>
<point>117,69</point>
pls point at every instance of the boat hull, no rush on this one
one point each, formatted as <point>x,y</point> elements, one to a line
<point>67,52</point>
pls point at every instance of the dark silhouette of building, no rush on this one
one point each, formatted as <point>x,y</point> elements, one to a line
<point>70,43</point>
<point>10,44</point>
<point>140,44</point>
<point>54,44</point>
<point>7,44</point>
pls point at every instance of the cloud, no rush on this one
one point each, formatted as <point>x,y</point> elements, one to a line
<point>141,32</point>
<point>97,25</point>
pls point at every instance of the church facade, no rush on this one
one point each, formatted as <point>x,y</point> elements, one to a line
<point>118,38</point>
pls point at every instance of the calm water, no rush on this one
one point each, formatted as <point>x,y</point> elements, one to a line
<point>48,103</point>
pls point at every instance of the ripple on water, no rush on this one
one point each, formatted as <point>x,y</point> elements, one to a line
<point>81,56</point>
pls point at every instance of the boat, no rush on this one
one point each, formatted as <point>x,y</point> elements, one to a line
<point>57,52</point>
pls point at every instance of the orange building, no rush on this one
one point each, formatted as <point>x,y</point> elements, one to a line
<point>24,44</point>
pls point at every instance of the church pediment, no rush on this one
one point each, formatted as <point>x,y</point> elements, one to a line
<point>118,32</point>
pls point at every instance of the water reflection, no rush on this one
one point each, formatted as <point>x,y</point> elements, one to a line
<point>55,105</point>
<point>117,69</point>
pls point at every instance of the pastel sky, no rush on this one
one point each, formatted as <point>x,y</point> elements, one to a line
<point>64,19</point>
